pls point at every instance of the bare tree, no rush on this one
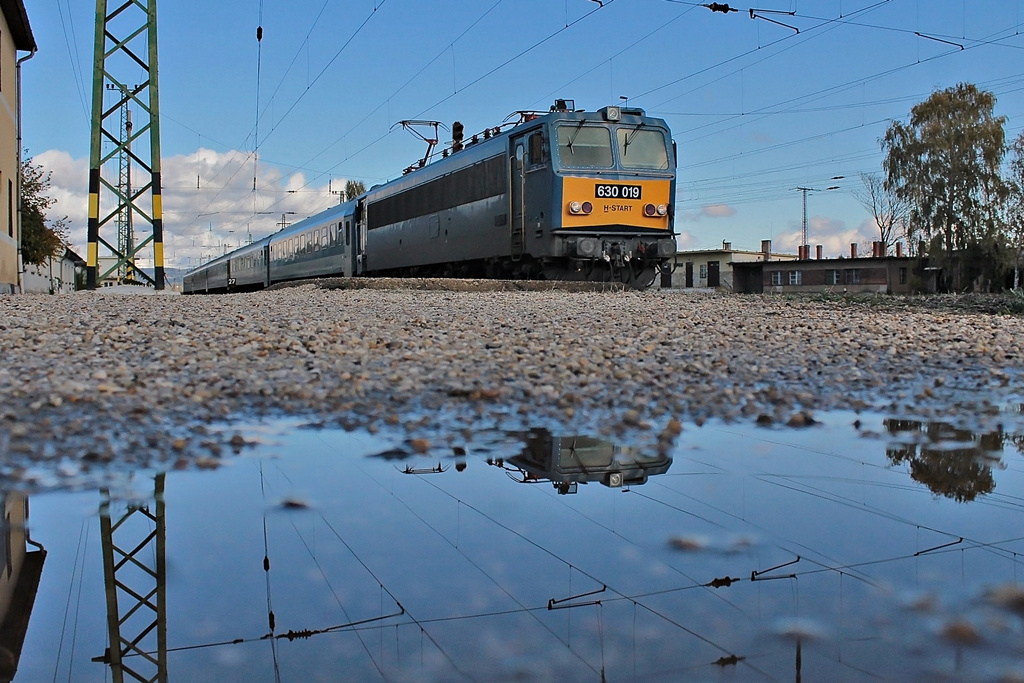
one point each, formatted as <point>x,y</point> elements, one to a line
<point>889,210</point>
<point>1015,209</point>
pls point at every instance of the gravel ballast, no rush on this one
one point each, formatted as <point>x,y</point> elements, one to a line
<point>94,379</point>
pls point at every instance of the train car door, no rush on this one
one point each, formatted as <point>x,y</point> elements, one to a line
<point>530,191</point>
<point>517,196</point>
<point>359,239</point>
<point>348,261</point>
<point>266,264</point>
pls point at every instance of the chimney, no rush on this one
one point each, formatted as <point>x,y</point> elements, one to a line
<point>899,250</point>
<point>853,250</point>
<point>766,249</point>
<point>726,246</point>
<point>817,252</point>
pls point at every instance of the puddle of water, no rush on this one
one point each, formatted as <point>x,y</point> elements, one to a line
<point>891,549</point>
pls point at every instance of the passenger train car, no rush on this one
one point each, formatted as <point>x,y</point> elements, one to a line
<point>564,195</point>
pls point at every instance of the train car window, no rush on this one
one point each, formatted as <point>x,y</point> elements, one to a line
<point>584,146</point>
<point>482,180</point>
<point>348,227</point>
<point>323,237</point>
<point>334,234</point>
<point>536,149</point>
<point>640,148</point>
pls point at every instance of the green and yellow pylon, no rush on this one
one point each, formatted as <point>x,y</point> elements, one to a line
<point>125,41</point>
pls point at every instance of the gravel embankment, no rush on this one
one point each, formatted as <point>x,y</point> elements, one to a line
<point>132,380</point>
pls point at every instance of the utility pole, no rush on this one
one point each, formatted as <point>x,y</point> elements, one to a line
<point>125,41</point>
<point>125,231</point>
<point>803,238</point>
<point>805,190</point>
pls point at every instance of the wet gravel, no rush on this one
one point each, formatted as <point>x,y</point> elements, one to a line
<point>102,381</point>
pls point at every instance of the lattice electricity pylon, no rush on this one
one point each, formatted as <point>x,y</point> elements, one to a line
<point>136,589</point>
<point>125,41</point>
<point>125,231</point>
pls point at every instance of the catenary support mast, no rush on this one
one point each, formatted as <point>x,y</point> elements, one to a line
<point>125,41</point>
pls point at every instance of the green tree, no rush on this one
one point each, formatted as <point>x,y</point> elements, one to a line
<point>39,240</point>
<point>946,163</point>
<point>353,188</point>
<point>1015,209</point>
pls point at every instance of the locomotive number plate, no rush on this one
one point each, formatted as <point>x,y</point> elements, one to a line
<point>606,191</point>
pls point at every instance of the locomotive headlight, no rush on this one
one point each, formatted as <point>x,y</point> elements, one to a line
<point>574,207</point>
<point>587,208</point>
<point>662,209</point>
<point>586,246</point>
<point>650,210</point>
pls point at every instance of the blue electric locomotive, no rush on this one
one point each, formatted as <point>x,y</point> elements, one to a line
<point>564,195</point>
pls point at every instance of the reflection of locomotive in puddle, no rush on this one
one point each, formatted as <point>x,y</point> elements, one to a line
<point>566,461</point>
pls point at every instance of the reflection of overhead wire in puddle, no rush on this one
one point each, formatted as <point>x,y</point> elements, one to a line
<point>677,570</point>
<point>523,608</point>
<point>266,572</point>
<point>83,541</point>
<point>621,595</point>
<point>841,500</point>
<point>998,548</point>
<point>323,574</point>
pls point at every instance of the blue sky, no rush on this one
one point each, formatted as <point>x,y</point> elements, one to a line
<point>757,108</point>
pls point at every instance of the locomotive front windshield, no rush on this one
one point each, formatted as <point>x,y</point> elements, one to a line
<point>640,148</point>
<point>582,146</point>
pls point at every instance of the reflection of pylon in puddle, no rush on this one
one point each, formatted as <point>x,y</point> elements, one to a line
<point>136,589</point>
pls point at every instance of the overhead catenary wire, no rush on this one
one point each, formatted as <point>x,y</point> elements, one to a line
<point>256,125</point>
<point>472,83</point>
<point>71,42</point>
<point>849,20</point>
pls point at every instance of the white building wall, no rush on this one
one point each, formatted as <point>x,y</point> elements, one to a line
<point>56,276</point>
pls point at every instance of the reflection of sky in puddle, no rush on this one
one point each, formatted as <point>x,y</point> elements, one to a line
<point>450,568</point>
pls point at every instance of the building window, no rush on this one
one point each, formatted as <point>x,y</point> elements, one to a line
<point>831,277</point>
<point>903,276</point>
<point>703,271</point>
<point>852,276</point>
<point>795,277</point>
<point>777,278</point>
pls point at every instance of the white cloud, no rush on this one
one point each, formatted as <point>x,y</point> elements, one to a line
<point>718,210</point>
<point>209,202</point>
<point>706,211</point>
<point>833,235</point>
<point>684,241</point>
